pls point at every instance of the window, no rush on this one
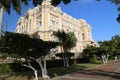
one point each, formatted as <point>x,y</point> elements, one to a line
<point>26,25</point>
<point>78,36</point>
<point>40,22</point>
<point>20,29</point>
<point>89,33</point>
<point>67,30</point>
<point>83,36</point>
<point>53,23</point>
<point>29,26</point>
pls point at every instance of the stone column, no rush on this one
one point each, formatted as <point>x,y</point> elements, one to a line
<point>34,19</point>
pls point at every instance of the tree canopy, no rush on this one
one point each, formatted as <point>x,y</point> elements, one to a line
<point>109,49</point>
<point>16,4</point>
<point>66,41</point>
<point>53,2</point>
<point>21,44</point>
<point>28,48</point>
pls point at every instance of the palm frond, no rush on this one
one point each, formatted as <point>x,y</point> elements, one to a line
<point>17,6</point>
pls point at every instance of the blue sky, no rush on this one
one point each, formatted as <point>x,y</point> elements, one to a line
<point>101,15</point>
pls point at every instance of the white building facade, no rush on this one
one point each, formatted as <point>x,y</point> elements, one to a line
<point>43,20</point>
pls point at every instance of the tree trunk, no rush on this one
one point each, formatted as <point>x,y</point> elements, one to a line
<point>43,67</point>
<point>67,60</point>
<point>45,73</point>
<point>63,56</point>
<point>30,66</point>
<point>103,59</point>
<point>115,58</point>
<point>1,19</point>
<point>106,58</point>
<point>63,59</point>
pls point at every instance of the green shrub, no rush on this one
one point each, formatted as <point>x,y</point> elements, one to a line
<point>4,68</point>
<point>83,60</point>
<point>93,60</point>
<point>16,67</point>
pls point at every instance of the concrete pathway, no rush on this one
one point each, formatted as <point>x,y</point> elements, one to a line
<point>110,71</point>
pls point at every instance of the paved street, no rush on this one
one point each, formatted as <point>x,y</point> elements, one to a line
<point>110,71</point>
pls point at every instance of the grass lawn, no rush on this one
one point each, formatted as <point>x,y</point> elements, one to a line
<point>63,70</point>
<point>52,72</point>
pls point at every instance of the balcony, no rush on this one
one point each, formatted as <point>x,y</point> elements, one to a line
<point>35,30</point>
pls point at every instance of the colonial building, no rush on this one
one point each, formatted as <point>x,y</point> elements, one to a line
<point>42,20</point>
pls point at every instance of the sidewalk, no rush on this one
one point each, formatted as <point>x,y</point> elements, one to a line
<point>110,71</point>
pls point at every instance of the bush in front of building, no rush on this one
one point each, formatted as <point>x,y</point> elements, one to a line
<point>93,60</point>
<point>16,67</point>
<point>4,68</point>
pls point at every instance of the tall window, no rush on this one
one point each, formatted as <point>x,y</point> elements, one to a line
<point>30,25</point>
<point>26,25</point>
<point>38,22</point>
<point>89,34</point>
<point>22,29</point>
<point>54,23</point>
<point>78,36</point>
<point>83,36</point>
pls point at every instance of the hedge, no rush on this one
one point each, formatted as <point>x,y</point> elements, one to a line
<point>16,67</point>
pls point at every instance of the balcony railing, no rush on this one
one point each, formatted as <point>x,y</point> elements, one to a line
<point>35,30</point>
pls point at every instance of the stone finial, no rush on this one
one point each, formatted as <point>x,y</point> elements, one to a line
<point>47,0</point>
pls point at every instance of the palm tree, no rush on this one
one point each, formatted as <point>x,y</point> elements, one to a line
<point>5,5</point>
<point>67,42</point>
<point>53,2</point>
<point>70,41</point>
